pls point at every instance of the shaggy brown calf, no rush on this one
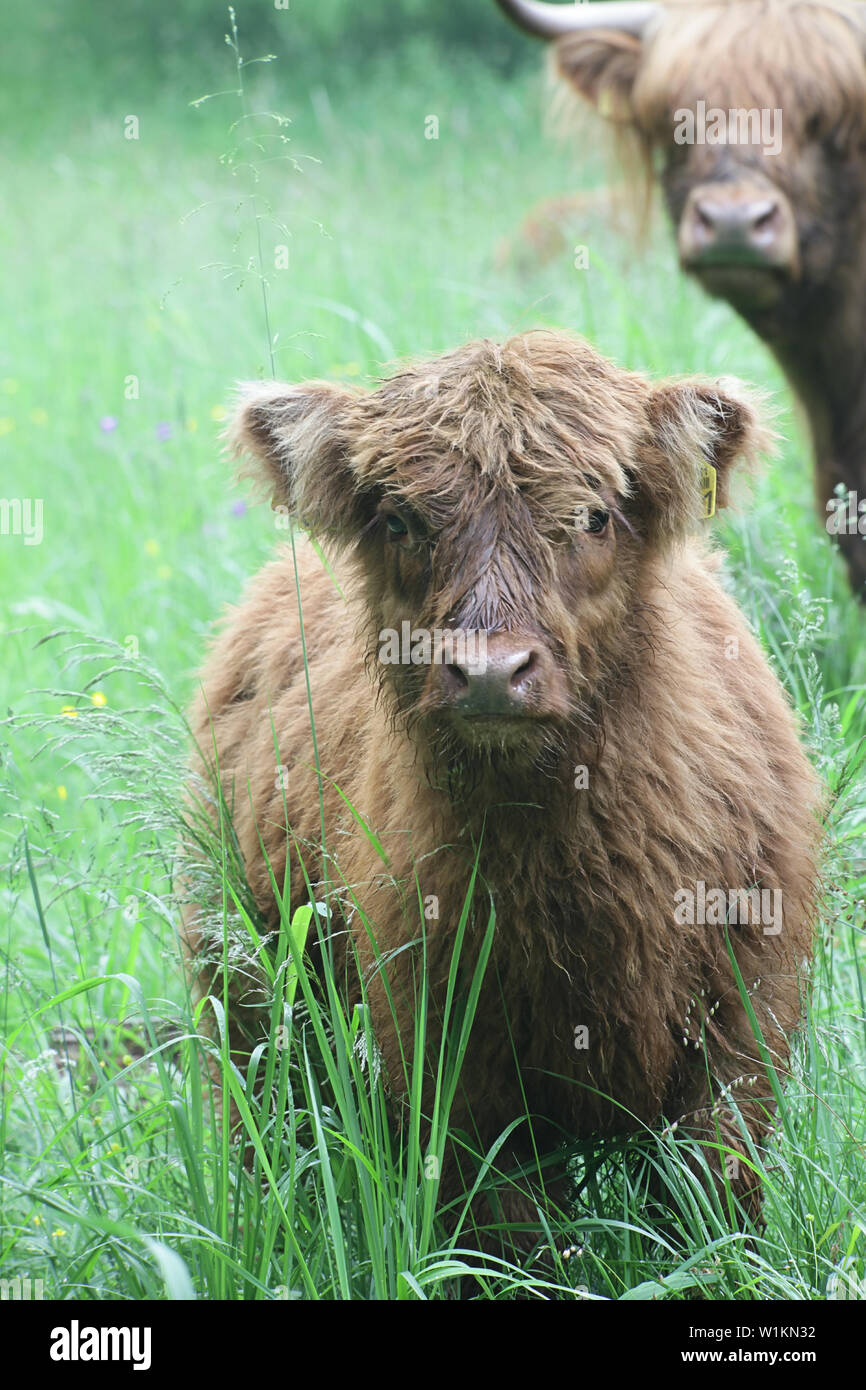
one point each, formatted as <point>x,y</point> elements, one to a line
<point>621,759</point>
<point>752,116</point>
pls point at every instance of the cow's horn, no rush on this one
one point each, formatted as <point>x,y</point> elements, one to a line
<point>552,21</point>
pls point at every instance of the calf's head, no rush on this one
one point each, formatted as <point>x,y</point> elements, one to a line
<point>756,113</point>
<point>502,506</point>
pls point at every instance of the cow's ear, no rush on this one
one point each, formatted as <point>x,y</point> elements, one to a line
<point>696,432</point>
<point>296,440</point>
<point>602,66</point>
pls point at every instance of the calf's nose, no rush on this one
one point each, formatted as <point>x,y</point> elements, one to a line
<point>504,681</point>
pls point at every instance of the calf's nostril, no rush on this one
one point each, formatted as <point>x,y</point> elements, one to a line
<point>523,677</point>
<point>458,676</point>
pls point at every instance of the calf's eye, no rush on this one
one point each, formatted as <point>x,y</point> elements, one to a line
<point>598,520</point>
<point>396,525</point>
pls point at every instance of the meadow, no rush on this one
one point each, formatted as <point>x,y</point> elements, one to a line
<point>331,220</point>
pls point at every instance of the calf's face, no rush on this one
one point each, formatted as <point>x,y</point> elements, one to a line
<point>501,505</point>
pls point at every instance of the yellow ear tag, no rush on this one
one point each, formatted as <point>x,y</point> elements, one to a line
<point>708,490</point>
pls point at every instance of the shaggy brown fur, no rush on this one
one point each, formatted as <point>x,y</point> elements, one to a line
<point>653,684</point>
<point>807,60</point>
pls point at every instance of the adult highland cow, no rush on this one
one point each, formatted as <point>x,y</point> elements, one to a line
<point>755,111</point>
<point>621,761</point>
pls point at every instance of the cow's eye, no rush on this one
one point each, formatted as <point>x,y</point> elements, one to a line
<point>598,520</point>
<point>396,525</point>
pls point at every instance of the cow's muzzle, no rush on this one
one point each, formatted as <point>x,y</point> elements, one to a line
<point>513,675</point>
<point>733,227</point>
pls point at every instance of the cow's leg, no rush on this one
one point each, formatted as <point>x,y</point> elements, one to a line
<point>740,1100</point>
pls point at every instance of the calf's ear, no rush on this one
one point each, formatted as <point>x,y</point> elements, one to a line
<point>296,442</point>
<point>692,424</point>
<point>601,66</point>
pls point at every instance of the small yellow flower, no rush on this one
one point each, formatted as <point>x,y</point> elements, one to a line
<point>39,416</point>
<point>10,385</point>
<point>192,424</point>
<point>97,698</point>
<point>69,711</point>
<point>151,547</point>
<point>58,1234</point>
<point>37,1221</point>
<point>7,425</point>
<point>116,1149</point>
<point>218,412</point>
<point>62,793</point>
<point>164,572</point>
<point>127,1059</point>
